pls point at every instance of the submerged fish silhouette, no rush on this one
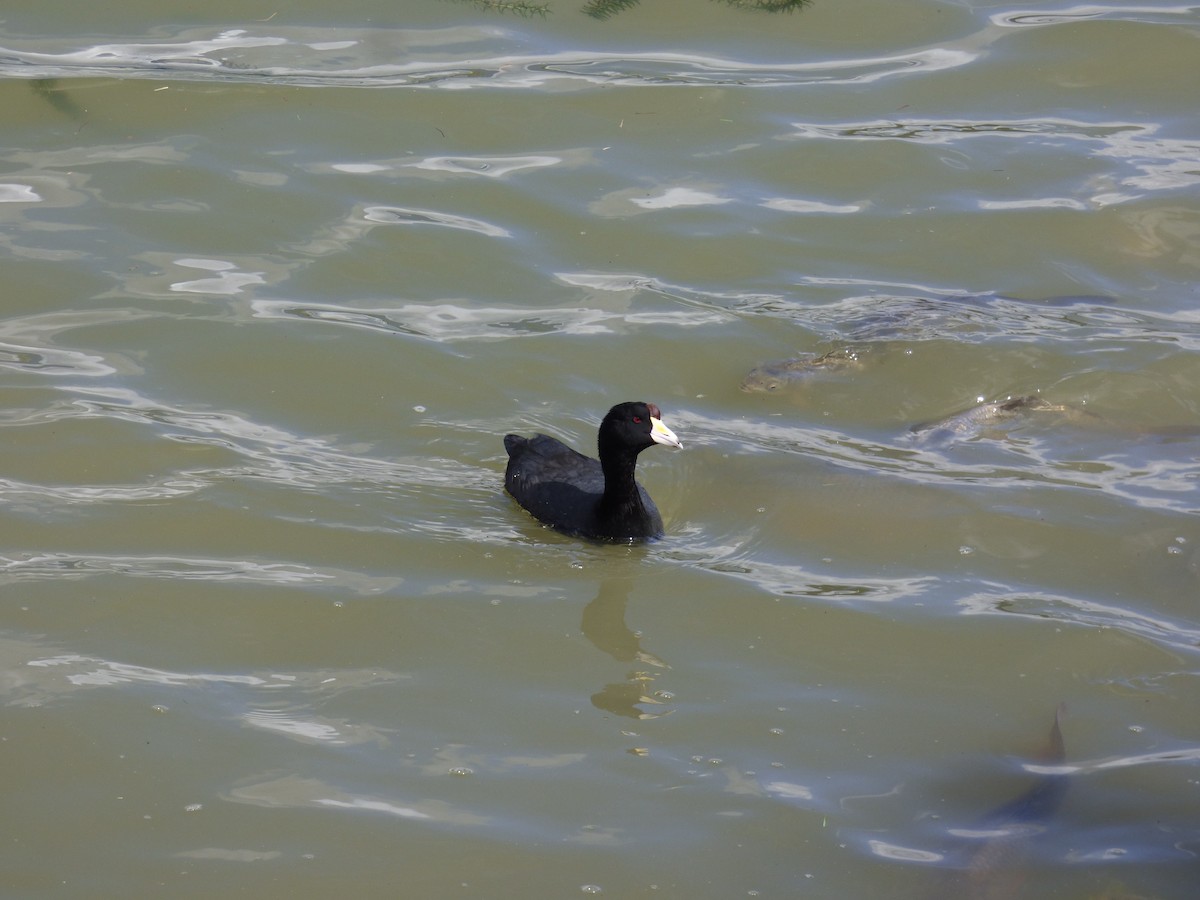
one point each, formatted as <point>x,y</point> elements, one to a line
<point>982,417</point>
<point>774,376</point>
<point>994,869</point>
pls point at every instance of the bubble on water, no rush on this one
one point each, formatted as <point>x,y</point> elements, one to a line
<point>419,408</point>
<point>591,889</point>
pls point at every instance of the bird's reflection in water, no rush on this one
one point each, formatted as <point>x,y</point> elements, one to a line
<point>604,625</point>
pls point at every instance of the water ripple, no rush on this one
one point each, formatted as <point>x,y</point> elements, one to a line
<point>1161,484</point>
<point>27,343</point>
<point>309,728</point>
<point>394,215</point>
<point>273,454</point>
<point>239,56</point>
<point>1158,163</point>
<point>463,322</point>
<point>1134,12</point>
<point>791,579</point>
<point>488,166</point>
<point>52,361</point>
<point>40,566</point>
<point>294,791</point>
<point>157,489</point>
<point>1060,608</point>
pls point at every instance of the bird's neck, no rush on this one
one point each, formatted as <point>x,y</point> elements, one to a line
<point>621,496</point>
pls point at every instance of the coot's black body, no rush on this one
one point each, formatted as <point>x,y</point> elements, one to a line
<point>587,497</point>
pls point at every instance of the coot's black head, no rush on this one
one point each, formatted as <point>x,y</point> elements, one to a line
<point>635,426</point>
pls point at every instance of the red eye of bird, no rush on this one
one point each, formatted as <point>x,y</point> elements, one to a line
<point>637,420</point>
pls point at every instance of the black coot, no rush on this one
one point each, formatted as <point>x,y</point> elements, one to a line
<point>583,496</point>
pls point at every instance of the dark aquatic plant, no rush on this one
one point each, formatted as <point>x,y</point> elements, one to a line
<point>768,5</point>
<point>606,9</point>
<point>508,6</point>
<point>49,90</point>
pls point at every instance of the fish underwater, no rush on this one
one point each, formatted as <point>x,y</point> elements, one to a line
<point>993,415</point>
<point>997,845</point>
<point>775,376</point>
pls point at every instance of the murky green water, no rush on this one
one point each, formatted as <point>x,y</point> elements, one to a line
<point>278,281</point>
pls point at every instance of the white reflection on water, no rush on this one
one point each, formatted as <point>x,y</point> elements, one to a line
<point>18,193</point>
<point>1137,12</point>
<point>229,855</point>
<point>237,55</point>
<point>181,53</point>
<point>91,672</point>
<point>404,812</point>
<point>1163,484</point>
<point>1181,754</point>
<point>57,566</point>
<point>871,309</point>
<point>32,678</point>
<point>680,196</point>
<point>796,205</point>
<point>628,202</point>
<point>788,790</point>
<point>442,167</point>
<point>903,854</point>
<point>791,579</point>
<point>454,322</point>
<point>1076,610</point>
<point>1036,203</point>
<point>29,343</point>
<point>1157,163</point>
<point>312,729</point>
<point>157,489</point>
<point>459,758</point>
<point>263,452</point>
<point>489,166</point>
<point>169,152</point>
<point>227,281</point>
<point>297,791</point>
<point>52,361</point>
<point>395,215</point>
<point>272,453</point>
